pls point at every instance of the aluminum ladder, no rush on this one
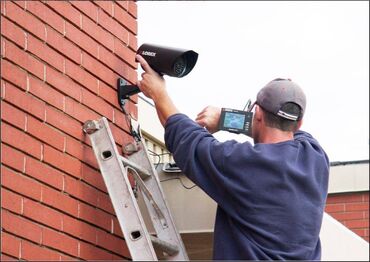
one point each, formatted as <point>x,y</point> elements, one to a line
<point>115,169</point>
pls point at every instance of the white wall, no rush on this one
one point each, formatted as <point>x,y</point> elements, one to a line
<point>341,244</point>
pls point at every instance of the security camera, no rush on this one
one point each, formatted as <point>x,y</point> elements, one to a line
<point>168,60</point>
<point>164,60</point>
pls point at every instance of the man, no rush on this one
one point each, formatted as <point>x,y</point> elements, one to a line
<point>270,195</point>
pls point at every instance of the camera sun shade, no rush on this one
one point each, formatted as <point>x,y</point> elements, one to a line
<point>164,60</point>
<point>168,60</point>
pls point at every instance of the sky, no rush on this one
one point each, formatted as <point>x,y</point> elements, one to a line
<point>242,45</point>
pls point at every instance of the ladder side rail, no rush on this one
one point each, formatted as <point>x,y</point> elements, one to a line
<point>119,188</point>
<point>167,233</point>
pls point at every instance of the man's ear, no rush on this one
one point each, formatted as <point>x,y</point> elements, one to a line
<point>299,124</point>
<point>258,113</point>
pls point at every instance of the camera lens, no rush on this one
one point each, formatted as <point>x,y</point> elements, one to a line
<point>179,66</point>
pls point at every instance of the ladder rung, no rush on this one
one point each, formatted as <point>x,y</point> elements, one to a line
<point>169,248</point>
<point>142,172</point>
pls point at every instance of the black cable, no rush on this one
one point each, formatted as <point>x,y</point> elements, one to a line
<point>128,118</point>
<point>164,180</point>
<point>182,183</point>
<point>157,155</point>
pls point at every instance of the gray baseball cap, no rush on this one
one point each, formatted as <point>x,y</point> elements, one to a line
<point>273,96</point>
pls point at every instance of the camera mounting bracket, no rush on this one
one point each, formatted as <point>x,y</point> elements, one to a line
<point>124,91</point>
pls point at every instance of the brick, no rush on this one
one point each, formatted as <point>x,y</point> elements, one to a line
<point>365,197</point>
<point>21,227</point>
<point>63,83</point>
<point>361,232</point>
<point>107,6</point>
<point>108,23</point>
<point>123,4</point>
<point>2,3</point>
<point>47,15</point>
<point>20,140</point>
<point>97,104</point>
<point>42,214</point>
<point>60,242</point>
<point>79,229</point>
<point>121,137</point>
<point>59,201</point>
<point>74,148</point>
<point>12,157</point>
<point>348,215</point>
<point>114,63</point>
<point>11,201</point>
<point>132,41</point>
<point>24,101</point>
<point>344,198</point>
<point>24,60</point>
<point>20,184</point>
<point>362,223</point>
<point>46,93</point>
<point>95,216</point>
<point>64,122</point>
<point>98,33</point>
<point>124,18</point>
<point>82,77</point>
<point>67,258</point>
<point>357,206</point>
<point>21,3</point>
<point>2,48</point>
<point>117,228</point>
<point>34,252</point>
<point>332,208</point>
<point>89,158</point>
<point>13,32</point>
<point>124,53</point>
<point>66,10</point>
<point>25,20</point>
<point>88,8</point>
<point>81,39</point>
<point>120,120</point>
<point>62,161</point>
<point>13,115</point>
<point>10,245</point>
<point>81,191</point>
<point>64,46</point>
<point>2,86</point>
<point>108,94</point>
<point>132,8</point>
<point>79,112</point>
<point>45,53</point>
<point>13,74</point>
<point>44,173</point>
<point>112,243</point>
<point>93,177</point>
<point>105,203</point>
<point>46,133</point>
<point>101,71</point>
<point>90,252</point>
<point>4,257</point>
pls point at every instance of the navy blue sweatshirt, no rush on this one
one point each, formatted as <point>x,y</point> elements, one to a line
<point>270,197</point>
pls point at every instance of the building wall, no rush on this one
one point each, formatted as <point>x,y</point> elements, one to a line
<point>60,61</point>
<point>352,210</point>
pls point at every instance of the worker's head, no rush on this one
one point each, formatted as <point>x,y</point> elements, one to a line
<point>280,104</point>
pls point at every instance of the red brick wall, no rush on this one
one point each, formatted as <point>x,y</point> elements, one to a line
<point>60,62</point>
<point>352,210</point>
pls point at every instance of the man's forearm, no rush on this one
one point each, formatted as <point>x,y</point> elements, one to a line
<point>165,108</point>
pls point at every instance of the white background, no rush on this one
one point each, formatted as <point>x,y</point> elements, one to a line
<point>323,46</point>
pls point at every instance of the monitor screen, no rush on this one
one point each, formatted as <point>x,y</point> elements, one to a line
<point>234,120</point>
